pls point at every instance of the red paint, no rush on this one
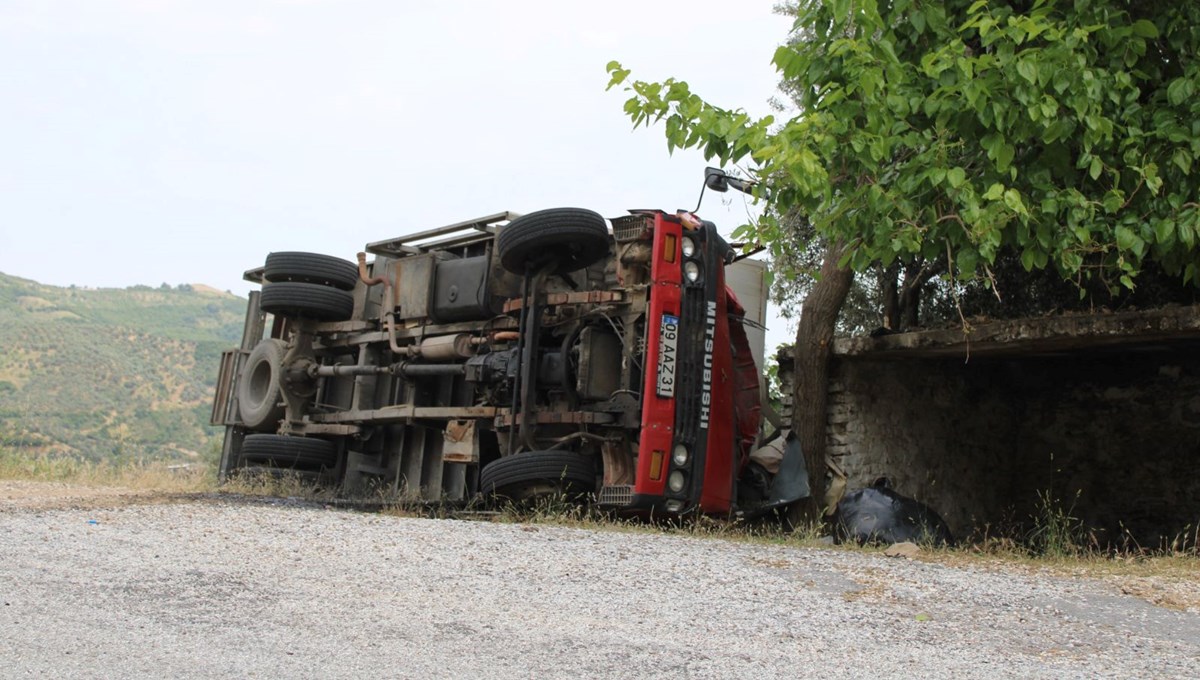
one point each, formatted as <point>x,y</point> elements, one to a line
<point>658,413</point>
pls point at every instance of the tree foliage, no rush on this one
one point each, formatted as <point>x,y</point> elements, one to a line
<point>1063,133</point>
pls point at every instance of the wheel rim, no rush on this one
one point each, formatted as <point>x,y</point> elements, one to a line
<point>261,380</point>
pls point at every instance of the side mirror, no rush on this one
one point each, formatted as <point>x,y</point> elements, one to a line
<point>716,179</point>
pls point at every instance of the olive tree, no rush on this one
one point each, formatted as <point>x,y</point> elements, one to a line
<point>932,137</point>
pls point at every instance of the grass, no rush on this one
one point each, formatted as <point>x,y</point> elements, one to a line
<point>133,474</point>
<point>151,476</point>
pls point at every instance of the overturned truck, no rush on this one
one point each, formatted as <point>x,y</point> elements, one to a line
<point>512,356</point>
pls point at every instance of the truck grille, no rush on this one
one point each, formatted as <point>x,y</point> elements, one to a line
<point>616,495</point>
<point>630,227</point>
<point>691,366</point>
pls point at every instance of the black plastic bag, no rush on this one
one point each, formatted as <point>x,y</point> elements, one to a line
<point>878,514</point>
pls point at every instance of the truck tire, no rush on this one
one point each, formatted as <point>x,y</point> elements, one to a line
<point>260,403</point>
<point>311,268</point>
<point>289,452</point>
<point>307,300</point>
<point>574,237</point>
<point>523,476</point>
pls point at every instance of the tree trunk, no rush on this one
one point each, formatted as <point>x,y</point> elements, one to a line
<point>910,297</point>
<point>810,391</point>
<point>891,297</point>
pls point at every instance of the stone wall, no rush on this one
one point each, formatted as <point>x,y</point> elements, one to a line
<point>1112,435</point>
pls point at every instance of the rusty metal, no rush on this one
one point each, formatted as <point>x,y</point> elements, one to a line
<point>559,418</point>
<point>310,428</point>
<point>460,442</point>
<point>618,463</point>
<point>362,273</point>
<point>355,337</point>
<point>583,297</point>
<point>387,315</point>
<point>402,413</point>
<point>447,347</point>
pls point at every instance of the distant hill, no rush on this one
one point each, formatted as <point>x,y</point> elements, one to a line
<point>111,372</point>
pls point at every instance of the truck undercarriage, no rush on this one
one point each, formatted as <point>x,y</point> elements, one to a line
<point>509,356</point>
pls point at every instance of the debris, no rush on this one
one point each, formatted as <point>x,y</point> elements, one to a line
<point>906,549</point>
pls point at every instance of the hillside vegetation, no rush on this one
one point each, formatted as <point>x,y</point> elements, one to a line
<point>97,373</point>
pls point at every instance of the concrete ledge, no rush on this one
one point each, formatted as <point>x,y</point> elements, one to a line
<point>1051,334</point>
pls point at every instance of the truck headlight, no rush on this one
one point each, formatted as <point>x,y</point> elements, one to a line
<point>691,270</point>
<point>675,481</point>
<point>680,455</point>
<point>688,246</point>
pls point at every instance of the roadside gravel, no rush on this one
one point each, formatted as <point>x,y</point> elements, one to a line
<point>214,588</point>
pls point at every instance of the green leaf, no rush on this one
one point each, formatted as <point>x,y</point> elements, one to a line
<point>841,10</point>
<point>1096,167</point>
<point>967,259</point>
<point>888,49</point>
<point>956,177</point>
<point>1180,90</point>
<point>1125,238</point>
<point>1113,201</point>
<point>994,192</point>
<point>1004,156</point>
<point>618,74</point>
<point>1028,70</point>
<point>1164,231</point>
<point>917,19</point>
<point>1145,29</point>
<point>1183,160</point>
<point>1012,198</point>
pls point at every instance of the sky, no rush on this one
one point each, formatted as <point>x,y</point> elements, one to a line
<point>172,141</point>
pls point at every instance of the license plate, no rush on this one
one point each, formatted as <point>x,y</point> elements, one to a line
<point>668,341</point>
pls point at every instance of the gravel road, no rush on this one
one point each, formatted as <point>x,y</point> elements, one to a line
<point>217,588</point>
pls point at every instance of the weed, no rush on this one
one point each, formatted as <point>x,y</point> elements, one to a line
<point>280,483</point>
<point>1057,533</point>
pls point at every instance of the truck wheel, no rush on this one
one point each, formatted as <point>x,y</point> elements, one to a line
<point>289,452</point>
<point>308,300</point>
<point>525,476</point>
<point>259,401</point>
<point>311,268</point>
<point>574,237</point>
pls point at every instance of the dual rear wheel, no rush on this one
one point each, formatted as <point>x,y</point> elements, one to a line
<point>308,286</point>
